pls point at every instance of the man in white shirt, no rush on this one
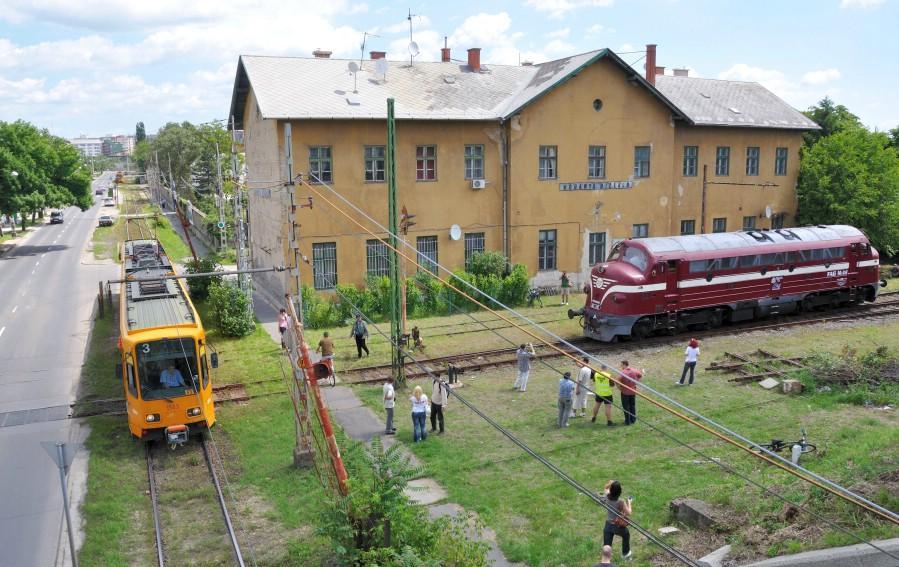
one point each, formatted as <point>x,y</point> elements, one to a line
<point>171,377</point>
<point>389,401</point>
<point>579,407</point>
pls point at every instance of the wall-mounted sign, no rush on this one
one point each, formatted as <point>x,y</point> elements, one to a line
<point>596,185</point>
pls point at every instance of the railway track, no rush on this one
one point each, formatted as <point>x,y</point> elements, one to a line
<point>180,482</point>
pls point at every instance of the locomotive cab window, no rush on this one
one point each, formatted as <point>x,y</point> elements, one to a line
<point>167,368</point>
<point>635,257</point>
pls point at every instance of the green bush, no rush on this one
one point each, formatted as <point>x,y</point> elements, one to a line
<point>515,286</point>
<point>488,263</point>
<point>199,287</point>
<point>230,309</point>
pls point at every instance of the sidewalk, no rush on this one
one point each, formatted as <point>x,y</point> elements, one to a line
<point>360,422</point>
<point>21,235</point>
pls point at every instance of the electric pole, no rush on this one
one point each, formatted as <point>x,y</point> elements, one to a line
<point>221,197</point>
<point>396,314</point>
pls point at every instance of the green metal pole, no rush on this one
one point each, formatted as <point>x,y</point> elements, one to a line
<point>396,314</point>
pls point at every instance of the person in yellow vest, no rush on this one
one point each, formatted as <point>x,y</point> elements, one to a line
<point>602,387</point>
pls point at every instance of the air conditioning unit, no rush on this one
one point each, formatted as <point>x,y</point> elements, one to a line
<point>478,183</point>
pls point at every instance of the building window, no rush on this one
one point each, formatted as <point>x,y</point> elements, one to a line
<point>640,230</point>
<point>320,164</point>
<point>427,253</point>
<point>719,225</point>
<point>691,156</point>
<point>474,242</point>
<point>722,161</point>
<point>324,265</point>
<point>548,155</point>
<point>777,220</point>
<point>597,247</point>
<point>752,161</point>
<point>375,158</point>
<point>474,161</point>
<point>376,261</point>
<point>641,161</point>
<point>546,250</point>
<point>780,161</point>
<point>687,227</point>
<point>749,223</point>
<point>425,163</point>
<point>596,162</point>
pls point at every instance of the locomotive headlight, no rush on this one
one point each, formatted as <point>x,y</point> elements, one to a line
<point>152,417</point>
<point>193,412</point>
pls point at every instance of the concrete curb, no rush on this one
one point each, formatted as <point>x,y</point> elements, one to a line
<point>860,555</point>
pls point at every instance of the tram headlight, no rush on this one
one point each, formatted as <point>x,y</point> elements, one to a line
<point>152,417</point>
<point>193,412</point>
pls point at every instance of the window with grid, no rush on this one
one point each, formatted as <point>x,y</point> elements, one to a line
<point>320,164</point>
<point>777,220</point>
<point>780,161</point>
<point>425,163</point>
<point>752,161</point>
<point>722,161</point>
<point>749,223</point>
<point>691,156</point>
<point>375,158</point>
<point>596,162</point>
<point>597,247</point>
<point>687,227</point>
<point>427,253</point>
<point>548,156</point>
<point>640,230</point>
<point>719,225</point>
<point>641,161</point>
<point>474,242</point>
<point>376,262</point>
<point>474,161</point>
<point>324,265</point>
<point>546,250</point>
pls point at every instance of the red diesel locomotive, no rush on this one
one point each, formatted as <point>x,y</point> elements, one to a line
<point>675,283</point>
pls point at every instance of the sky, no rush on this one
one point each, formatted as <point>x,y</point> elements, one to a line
<point>97,67</point>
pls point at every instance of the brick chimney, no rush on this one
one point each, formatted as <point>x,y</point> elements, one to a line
<point>660,70</point>
<point>378,55</point>
<point>681,72</point>
<point>322,54</point>
<point>474,59</point>
<point>445,54</point>
<point>651,63</point>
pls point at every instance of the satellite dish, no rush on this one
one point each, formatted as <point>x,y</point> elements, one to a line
<point>381,67</point>
<point>352,66</point>
<point>413,49</point>
<point>768,212</point>
<point>455,232</point>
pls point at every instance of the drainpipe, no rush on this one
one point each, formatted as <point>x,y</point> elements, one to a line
<point>505,142</point>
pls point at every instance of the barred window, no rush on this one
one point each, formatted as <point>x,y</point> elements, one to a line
<point>597,247</point>
<point>324,265</point>
<point>722,161</point>
<point>375,158</point>
<point>427,253</point>
<point>474,161</point>
<point>425,163</point>
<point>641,161</point>
<point>546,250</point>
<point>687,227</point>
<point>548,156</point>
<point>596,162</point>
<point>320,164</point>
<point>719,225</point>
<point>474,242</point>
<point>752,161</point>
<point>691,156</point>
<point>640,230</point>
<point>780,161</point>
<point>376,262</point>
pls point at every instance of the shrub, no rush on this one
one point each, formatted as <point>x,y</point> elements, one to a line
<point>488,263</point>
<point>515,286</point>
<point>230,309</point>
<point>199,287</point>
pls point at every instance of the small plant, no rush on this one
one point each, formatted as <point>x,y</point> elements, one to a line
<point>199,287</point>
<point>230,309</point>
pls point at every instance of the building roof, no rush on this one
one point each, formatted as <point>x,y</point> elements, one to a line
<point>711,102</point>
<point>748,239</point>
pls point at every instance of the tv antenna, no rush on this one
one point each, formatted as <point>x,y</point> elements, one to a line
<point>362,49</point>
<point>413,47</point>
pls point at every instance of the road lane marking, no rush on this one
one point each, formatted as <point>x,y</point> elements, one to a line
<point>32,272</point>
<point>44,254</point>
<point>38,263</point>
<point>1,331</point>
<point>14,308</point>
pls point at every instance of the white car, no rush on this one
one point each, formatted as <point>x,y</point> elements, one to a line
<point>108,202</point>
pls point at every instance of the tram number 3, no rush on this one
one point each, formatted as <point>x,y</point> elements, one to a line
<point>145,348</point>
<point>776,282</point>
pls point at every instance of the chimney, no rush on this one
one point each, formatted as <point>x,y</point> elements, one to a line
<point>660,70</point>
<point>445,54</point>
<point>527,63</point>
<point>321,54</point>
<point>651,63</point>
<point>378,55</point>
<point>474,59</point>
<point>681,72</point>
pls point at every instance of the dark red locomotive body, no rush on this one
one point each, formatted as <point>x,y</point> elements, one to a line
<point>675,283</point>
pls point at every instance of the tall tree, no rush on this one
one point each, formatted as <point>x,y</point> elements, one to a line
<point>852,177</point>
<point>140,133</point>
<point>831,117</point>
<point>178,147</point>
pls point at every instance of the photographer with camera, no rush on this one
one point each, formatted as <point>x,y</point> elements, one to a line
<point>617,515</point>
<point>439,399</point>
<point>524,354</point>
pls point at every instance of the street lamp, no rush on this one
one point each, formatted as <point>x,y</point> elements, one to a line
<point>14,173</point>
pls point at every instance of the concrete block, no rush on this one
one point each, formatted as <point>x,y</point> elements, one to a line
<point>769,383</point>
<point>425,491</point>
<point>792,387</point>
<point>696,514</point>
<point>668,530</point>
<point>715,558</point>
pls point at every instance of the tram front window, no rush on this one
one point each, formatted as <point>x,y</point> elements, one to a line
<point>167,368</point>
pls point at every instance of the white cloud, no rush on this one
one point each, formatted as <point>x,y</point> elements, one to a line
<point>796,93</point>
<point>597,29</point>
<point>821,76</point>
<point>559,8</point>
<point>864,4</point>
<point>626,48</point>
<point>561,34</point>
<point>558,46</point>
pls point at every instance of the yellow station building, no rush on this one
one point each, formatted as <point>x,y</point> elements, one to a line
<point>550,163</point>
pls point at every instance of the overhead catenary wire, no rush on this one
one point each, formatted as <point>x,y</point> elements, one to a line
<point>751,448</point>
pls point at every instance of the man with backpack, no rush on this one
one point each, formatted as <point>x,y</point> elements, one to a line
<point>360,333</point>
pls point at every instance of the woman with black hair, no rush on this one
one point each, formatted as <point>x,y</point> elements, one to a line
<point>617,513</point>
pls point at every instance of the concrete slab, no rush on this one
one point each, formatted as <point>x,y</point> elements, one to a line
<point>769,383</point>
<point>495,557</point>
<point>425,491</point>
<point>860,555</point>
<point>359,423</point>
<point>695,513</point>
<point>715,558</point>
<point>340,398</point>
<point>667,530</point>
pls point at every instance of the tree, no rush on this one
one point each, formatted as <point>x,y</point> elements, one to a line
<point>178,147</point>
<point>141,154</point>
<point>230,309</point>
<point>894,138</point>
<point>852,177</point>
<point>832,118</point>
<point>140,133</point>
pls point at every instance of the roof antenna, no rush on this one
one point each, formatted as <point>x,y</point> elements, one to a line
<point>362,50</point>
<point>413,47</point>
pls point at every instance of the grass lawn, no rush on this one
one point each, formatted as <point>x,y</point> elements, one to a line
<point>542,521</point>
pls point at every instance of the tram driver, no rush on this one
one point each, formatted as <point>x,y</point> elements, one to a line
<point>171,377</point>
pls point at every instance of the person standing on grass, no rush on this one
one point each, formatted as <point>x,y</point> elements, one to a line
<point>419,415</point>
<point>389,398</point>
<point>439,398</point>
<point>326,347</point>
<point>566,388</point>
<point>628,386</point>
<point>566,285</point>
<point>602,388</point>
<point>525,354</point>
<point>579,408</point>
<point>617,513</point>
<point>691,356</point>
<point>606,560</point>
<point>283,323</point>
<point>360,333</point>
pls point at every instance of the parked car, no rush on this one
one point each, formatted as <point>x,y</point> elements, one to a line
<point>106,220</point>
<point>98,191</point>
<point>108,202</point>
<point>56,217</point>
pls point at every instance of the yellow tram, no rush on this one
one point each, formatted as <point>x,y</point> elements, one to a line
<point>163,368</point>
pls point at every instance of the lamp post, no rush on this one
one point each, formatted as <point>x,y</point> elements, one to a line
<point>14,173</point>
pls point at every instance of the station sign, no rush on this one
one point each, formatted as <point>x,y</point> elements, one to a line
<point>596,185</point>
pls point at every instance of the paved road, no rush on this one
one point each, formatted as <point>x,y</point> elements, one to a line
<point>47,296</point>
